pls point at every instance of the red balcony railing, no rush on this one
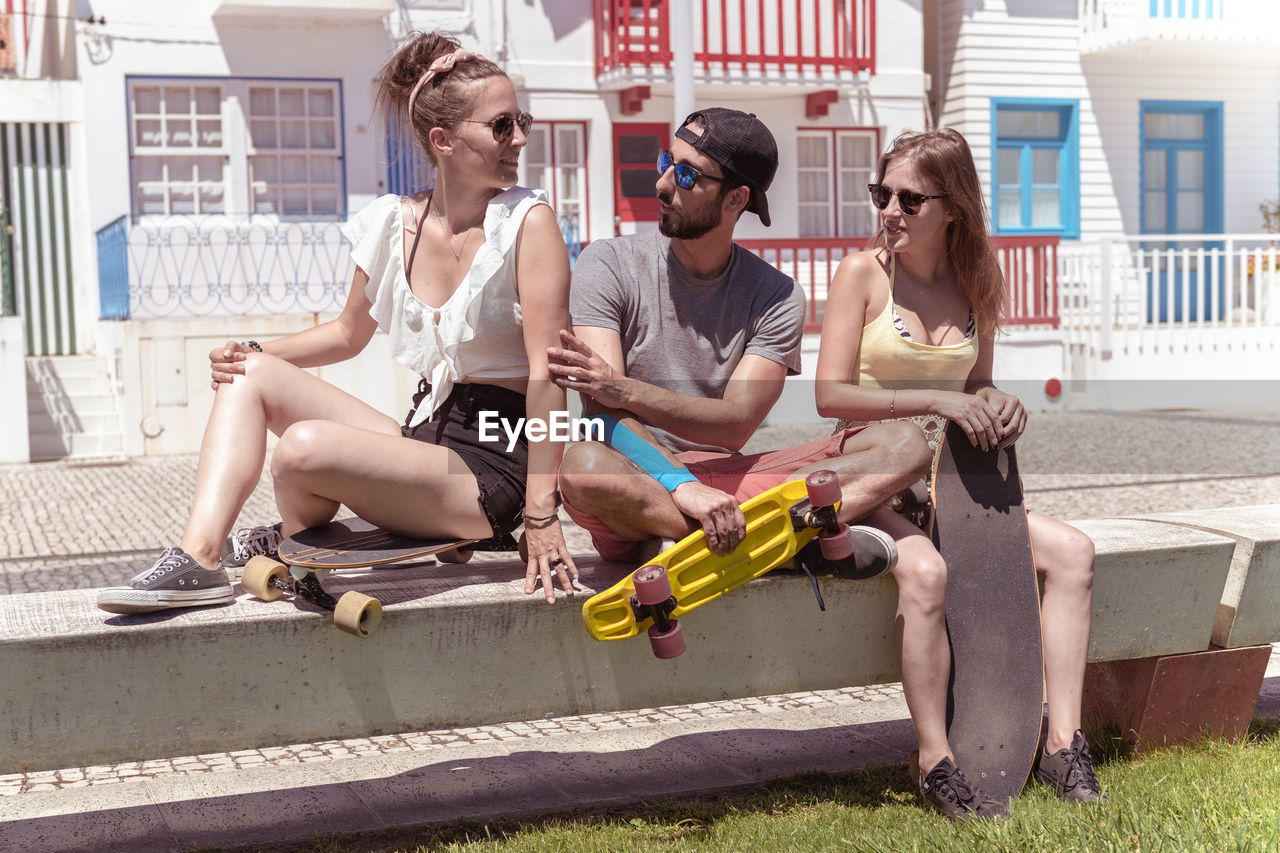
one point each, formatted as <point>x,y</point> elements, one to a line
<point>740,36</point>
<point>1030,267</point>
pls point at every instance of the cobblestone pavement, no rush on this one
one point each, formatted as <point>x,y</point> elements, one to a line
<point>78,524</point>
<point>83,777</point>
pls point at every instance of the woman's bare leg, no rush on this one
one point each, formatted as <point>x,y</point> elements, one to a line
<point>271,395</point>
<point>408,486</point>
<point>920,633</point>
<point>1064,556</point>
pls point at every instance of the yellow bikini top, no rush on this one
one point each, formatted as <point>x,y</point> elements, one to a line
<point>888,360</point>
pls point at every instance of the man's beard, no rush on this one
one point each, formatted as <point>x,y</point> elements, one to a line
<point>686,227</point>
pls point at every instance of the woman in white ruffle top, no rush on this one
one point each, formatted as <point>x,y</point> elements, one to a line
<point>470,282</point>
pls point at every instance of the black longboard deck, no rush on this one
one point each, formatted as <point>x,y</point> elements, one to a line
<point>996,695</point>
<point>355,543</point>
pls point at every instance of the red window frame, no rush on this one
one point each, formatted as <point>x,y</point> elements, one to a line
<point>636,209</point>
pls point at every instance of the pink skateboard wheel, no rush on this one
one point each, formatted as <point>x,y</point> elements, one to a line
<point>823,487</point>
<point>667,644</point>
<point>652,584</point>
<point>836,546</point>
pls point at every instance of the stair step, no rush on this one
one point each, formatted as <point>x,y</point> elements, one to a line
<point>77,423</point>
<point>80,404</point>
<point>49,446</point>
<point>72,409</point>
<point>71,386</point>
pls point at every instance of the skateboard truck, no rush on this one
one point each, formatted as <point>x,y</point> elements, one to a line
<point>354,613</point>
<point>308,588</point>
<point>653,597</point>
<point>660,612</point>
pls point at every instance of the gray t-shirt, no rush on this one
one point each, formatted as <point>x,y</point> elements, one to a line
<point>683,333</point>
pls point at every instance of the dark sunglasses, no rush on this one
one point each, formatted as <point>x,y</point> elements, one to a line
<point>686,176</point>
<point>502,125</point>
<point>909,201</point>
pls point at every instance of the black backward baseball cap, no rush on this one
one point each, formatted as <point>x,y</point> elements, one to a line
<point>743,147</point>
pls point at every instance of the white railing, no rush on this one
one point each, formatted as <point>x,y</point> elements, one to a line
<point>221,266</point>
<point>1110,23</point>
<point>1160,290</point>
<point>231,266</point>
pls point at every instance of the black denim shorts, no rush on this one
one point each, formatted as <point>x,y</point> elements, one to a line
<point>500,474</point>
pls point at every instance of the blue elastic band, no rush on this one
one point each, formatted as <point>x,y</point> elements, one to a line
<point>646,457</point>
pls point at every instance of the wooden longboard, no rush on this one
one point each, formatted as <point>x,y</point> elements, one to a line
<point>355,543</point>
<point>995,702</point>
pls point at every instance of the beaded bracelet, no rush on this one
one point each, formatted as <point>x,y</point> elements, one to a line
<point>252,346</point>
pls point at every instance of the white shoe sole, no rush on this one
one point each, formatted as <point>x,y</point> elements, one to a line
<point>860,545</point>
<point>127,600</point>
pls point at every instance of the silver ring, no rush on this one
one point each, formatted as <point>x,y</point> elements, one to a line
<point>558,561</point>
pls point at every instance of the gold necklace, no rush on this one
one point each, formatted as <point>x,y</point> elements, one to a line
<point>457,255</point>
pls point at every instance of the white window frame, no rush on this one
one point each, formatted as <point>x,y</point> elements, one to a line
<point>163,155</point>
<point>557,191</point>
<point>236,147</point>
<point>838,201</point>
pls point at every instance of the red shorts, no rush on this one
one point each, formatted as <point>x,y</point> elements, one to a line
<point>743,476</point>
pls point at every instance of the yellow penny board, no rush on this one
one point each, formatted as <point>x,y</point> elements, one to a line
<point>698,575</point>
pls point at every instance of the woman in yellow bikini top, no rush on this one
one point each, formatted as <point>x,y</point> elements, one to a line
<point>890,357</point>
<point>908,333</point>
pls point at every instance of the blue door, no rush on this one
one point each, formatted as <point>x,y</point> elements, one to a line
<point>1182,194</point>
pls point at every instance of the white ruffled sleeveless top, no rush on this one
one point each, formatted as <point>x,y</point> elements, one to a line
<point>478,332</point>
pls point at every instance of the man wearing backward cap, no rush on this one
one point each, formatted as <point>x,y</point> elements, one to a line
<point>686,339</point>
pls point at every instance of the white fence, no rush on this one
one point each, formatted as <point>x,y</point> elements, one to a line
<point>1177,307</point>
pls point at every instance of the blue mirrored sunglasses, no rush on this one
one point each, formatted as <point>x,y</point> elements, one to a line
<point>686,175</point>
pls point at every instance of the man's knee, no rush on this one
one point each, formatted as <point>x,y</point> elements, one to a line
<point>588,471</point>
<point>902,446</point>
<point>909,447</point>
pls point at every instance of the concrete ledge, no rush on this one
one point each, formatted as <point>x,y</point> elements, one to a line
<point>462,645</point>
<point>1156,587</point>
<point>1250,609</point>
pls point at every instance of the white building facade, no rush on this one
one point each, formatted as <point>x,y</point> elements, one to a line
<point>201,157</point>
<point>225,141</point>
<point>1145,133</point>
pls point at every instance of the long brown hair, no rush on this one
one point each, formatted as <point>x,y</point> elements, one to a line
<point>442,102</point>
<point>944,157</point>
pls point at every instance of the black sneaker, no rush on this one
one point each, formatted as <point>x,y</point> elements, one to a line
<point>1070,772</point>
<point>874,553</point>
<point>175,580</point>
<point>947,790</point>
<point>248,542</point>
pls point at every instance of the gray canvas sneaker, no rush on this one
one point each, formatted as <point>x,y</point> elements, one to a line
<point>175,580</point>
<point>249,542</point>
<point>949,792</point>
<point>1070,772</point>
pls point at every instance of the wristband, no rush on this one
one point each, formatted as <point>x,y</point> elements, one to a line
<point>252,346</point>
<point>645,456</point>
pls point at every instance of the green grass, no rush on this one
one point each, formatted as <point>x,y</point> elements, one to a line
<point>1210,796</point>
